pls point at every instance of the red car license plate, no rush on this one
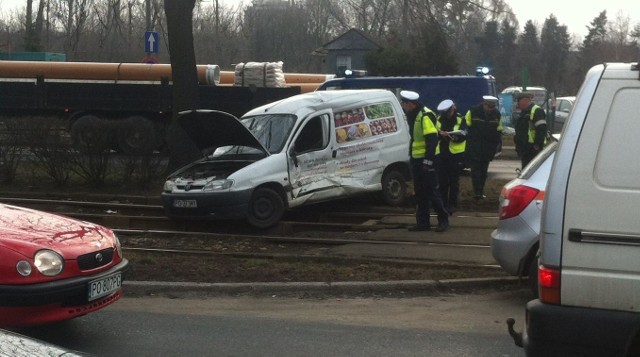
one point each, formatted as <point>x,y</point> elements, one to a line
<point>105,286</point>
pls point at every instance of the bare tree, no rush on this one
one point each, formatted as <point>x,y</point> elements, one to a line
<point>619,38</point>
<point>33,29</point>
<point>218,34</point>
<point>72,18</point>
<point>179,15</point>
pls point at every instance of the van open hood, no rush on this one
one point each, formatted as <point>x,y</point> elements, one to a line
<point>211,129</point>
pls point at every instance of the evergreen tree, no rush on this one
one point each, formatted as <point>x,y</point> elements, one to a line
<point>554,43</point>
<point>489,49</point>
<point>505,63</point>
<point>593,45</point>
<point>527,63</point>
<point>430,55</point>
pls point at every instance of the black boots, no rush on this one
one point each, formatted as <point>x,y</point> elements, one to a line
<point>417,228</point>
<point>443,223</point>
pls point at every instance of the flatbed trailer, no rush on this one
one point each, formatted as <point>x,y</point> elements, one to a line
<point>129,114</point>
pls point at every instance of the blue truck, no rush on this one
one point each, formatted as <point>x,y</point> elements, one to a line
<point>465,91</point>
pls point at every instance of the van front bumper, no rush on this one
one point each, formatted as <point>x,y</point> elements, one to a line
<point>556,330</point>
<point>223,205</point>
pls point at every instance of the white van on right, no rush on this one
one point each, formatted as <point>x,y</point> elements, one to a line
<point>589,265</point>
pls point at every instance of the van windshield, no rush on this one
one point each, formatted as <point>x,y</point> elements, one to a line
<point>271,130</point>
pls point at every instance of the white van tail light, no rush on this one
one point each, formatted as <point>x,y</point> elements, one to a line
<point>516,199</point>
<point>549,285</point>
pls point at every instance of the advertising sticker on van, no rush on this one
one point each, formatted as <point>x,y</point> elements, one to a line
<point>360,123</point>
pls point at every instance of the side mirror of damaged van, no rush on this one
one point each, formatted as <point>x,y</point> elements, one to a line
<point>293,156</point>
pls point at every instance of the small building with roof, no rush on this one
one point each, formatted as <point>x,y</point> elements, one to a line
<point>347,51</point>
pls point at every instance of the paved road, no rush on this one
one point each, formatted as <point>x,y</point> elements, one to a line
<point>447,325</point>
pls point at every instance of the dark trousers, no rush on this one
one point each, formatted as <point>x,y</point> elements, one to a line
<point>451,165</point>
<point>528,155</point>
<point>425,185</point>
<point>479,169</point>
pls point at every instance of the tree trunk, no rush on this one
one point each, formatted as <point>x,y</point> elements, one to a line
<point>179,15</point>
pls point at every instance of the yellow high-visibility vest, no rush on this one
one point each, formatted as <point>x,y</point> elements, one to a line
<point>421,127</point>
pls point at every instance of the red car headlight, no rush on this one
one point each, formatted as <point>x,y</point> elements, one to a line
<point>48,262</point>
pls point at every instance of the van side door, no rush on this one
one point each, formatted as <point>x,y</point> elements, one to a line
<point>601,233</point>
<point>311,167</point>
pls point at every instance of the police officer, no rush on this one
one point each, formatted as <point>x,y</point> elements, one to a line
<point>424,151</point>
<point>452,129</point>
<point>531,128</point>
<point>483,138</point>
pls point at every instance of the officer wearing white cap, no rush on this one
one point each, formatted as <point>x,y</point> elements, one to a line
<point>531,128</point>
<point>423,155</point>
<point>407,95</point>
<point>490,99</point>
<point>452,129</point>
<point>483,139</point>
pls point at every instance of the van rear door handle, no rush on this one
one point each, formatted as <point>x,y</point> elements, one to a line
<point>334,153</point>
<point>580,236</point>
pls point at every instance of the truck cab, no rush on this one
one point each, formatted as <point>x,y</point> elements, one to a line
<point>465,91</point>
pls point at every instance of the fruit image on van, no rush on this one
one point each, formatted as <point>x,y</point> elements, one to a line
<point>304,149</point>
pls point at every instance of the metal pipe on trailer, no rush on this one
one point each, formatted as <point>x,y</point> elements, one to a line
<point>207,73</point>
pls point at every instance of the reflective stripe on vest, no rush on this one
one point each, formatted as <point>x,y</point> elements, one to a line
<point>455,147</point>
<point>418,146</point>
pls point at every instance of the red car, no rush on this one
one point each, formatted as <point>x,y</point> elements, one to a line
<point>54,268</point>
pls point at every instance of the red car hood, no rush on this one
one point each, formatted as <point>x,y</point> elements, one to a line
<point>24,229</point>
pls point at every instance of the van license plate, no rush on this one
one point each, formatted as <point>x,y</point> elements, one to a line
<point>105,286</point>
<point>185,203</point>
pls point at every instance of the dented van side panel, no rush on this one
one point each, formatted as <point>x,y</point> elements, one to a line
<point>364,137</point>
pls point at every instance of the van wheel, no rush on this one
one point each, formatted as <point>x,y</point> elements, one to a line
<point>394,188</point>
<point>265,209</point>
<point>533,276</point>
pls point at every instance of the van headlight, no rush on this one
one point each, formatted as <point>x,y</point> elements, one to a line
<point>48,262</point>
<point>169,185</point>
<point>217,185</point>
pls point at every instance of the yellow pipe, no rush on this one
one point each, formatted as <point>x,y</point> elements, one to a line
<point>307,87</point>
<point>207,74</point>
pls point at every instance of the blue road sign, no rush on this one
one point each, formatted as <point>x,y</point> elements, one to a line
<point>151,42</point>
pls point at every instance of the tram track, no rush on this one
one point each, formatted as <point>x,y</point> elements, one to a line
<point>312,226</point>
<point>341,242</point>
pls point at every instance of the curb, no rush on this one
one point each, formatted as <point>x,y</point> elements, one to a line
<point>399,287</point>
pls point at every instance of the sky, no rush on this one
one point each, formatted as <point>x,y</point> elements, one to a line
<point>576,15</point>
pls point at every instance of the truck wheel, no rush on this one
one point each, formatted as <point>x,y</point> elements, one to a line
<point>137,135</point>
<point>265,209</point>
<point>394,188</point>
<point>91,134</point>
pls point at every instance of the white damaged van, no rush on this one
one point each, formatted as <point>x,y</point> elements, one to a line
<point>304,149</point>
